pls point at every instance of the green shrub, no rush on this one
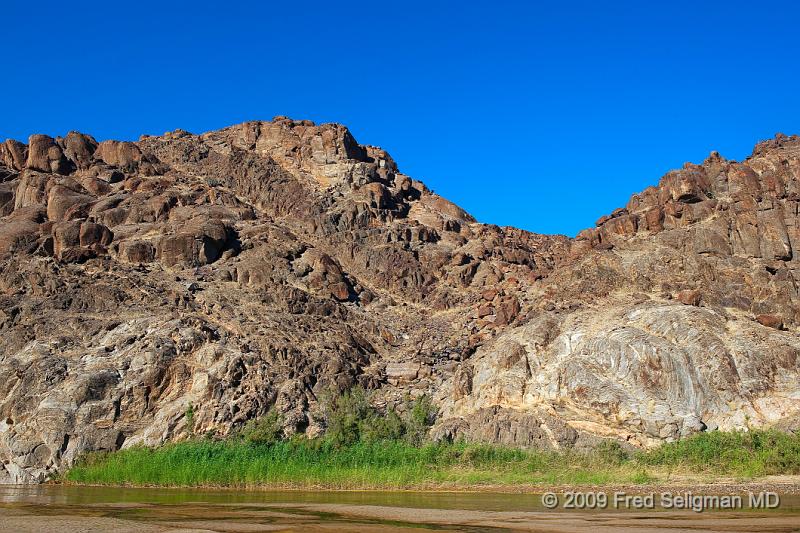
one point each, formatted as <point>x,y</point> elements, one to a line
<point>265,430</point>
<point>189,414</point>
<point>611,452</point>
<point>345,416</point>
<point>350,418</point>
<point>382,427</point>
<point>421,417</point>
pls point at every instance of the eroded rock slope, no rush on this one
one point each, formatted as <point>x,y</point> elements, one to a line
<point>264,264</point>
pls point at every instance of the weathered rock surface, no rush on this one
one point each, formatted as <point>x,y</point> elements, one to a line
<point>264,264</point>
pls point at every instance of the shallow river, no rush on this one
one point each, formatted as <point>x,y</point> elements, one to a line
<point>65,509</point>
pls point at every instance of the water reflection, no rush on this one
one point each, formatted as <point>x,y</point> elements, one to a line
<point>59,508</point>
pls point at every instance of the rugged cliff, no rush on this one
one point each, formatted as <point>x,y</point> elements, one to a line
<point>261,265</point>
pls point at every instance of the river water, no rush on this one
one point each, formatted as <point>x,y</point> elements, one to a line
<point>56,508</point>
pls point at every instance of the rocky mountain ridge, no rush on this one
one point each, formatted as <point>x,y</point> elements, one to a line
<point>261,265</point>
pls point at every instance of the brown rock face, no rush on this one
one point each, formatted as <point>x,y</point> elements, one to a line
<point>265,264</point>
<point>79,149</point>
<point>92,234</point>
<point>689,297</point>
<point>45,155</point>
<point>137,252</point>
<point>198,241</point>
<point>13,154</point>
<point>124,155</point>
<point>66,201</point>
<point>771,321</point>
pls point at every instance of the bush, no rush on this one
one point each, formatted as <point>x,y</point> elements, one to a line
<point>611,452</point>
<point>421,417</point>
<point>265,430</point>
<point>345,416</point>
<point>377,428</point>
<point>189,415</point>
<point>350,418</point>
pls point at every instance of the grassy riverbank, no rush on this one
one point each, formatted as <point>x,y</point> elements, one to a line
<point>302,463</point>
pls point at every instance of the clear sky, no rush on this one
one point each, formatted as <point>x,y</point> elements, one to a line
<point>541,115</point>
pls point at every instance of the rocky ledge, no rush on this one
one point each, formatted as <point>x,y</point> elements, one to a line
<point>259,266</point>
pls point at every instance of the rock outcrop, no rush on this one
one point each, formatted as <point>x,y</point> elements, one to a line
<point>265,264</point>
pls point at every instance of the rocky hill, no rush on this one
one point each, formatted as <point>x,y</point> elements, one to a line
<point>262,265</point>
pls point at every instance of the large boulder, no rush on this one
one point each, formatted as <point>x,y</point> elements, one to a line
<point>79,148</point>
<point>326,277</point>
<point>45,155</point>
<point>136,251</point>
<point>31,189</point>
<point>121,154</point>
<point>67,200</point>
<point>73,234</point>
<point>66,235</point>
<point>18,235</point>
<point>199,242</point>
<point>688,185</point>
<point>13,154</point>
<point>92,234</point>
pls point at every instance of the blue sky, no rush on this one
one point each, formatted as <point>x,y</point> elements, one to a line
<point>541,115</point>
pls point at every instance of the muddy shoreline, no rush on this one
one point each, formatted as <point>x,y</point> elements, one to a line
<point>779,484</point>
<point>148,518</point>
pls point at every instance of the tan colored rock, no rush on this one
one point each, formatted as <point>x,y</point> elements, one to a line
<point>377,195</point>
<point>485,310</point>
<point>31,189</point>
<point>653,218</point>
<point>462,382</point>
<point>774,237</point>
<point>124,155</point>
<point>709,241</point>
<point>489,294</point>
<point>402,372</point>
<point>326,276</point>
<point>94,186</point>
<point>340,291</point>
<point>17,234</point>
<point>688,185</point>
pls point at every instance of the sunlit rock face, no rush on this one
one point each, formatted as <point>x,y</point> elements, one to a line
<point>641,372</point>
<point>266,264</point>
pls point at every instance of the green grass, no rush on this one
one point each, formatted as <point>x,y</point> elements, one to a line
<point>301,463</point>
<point>743,454</point>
